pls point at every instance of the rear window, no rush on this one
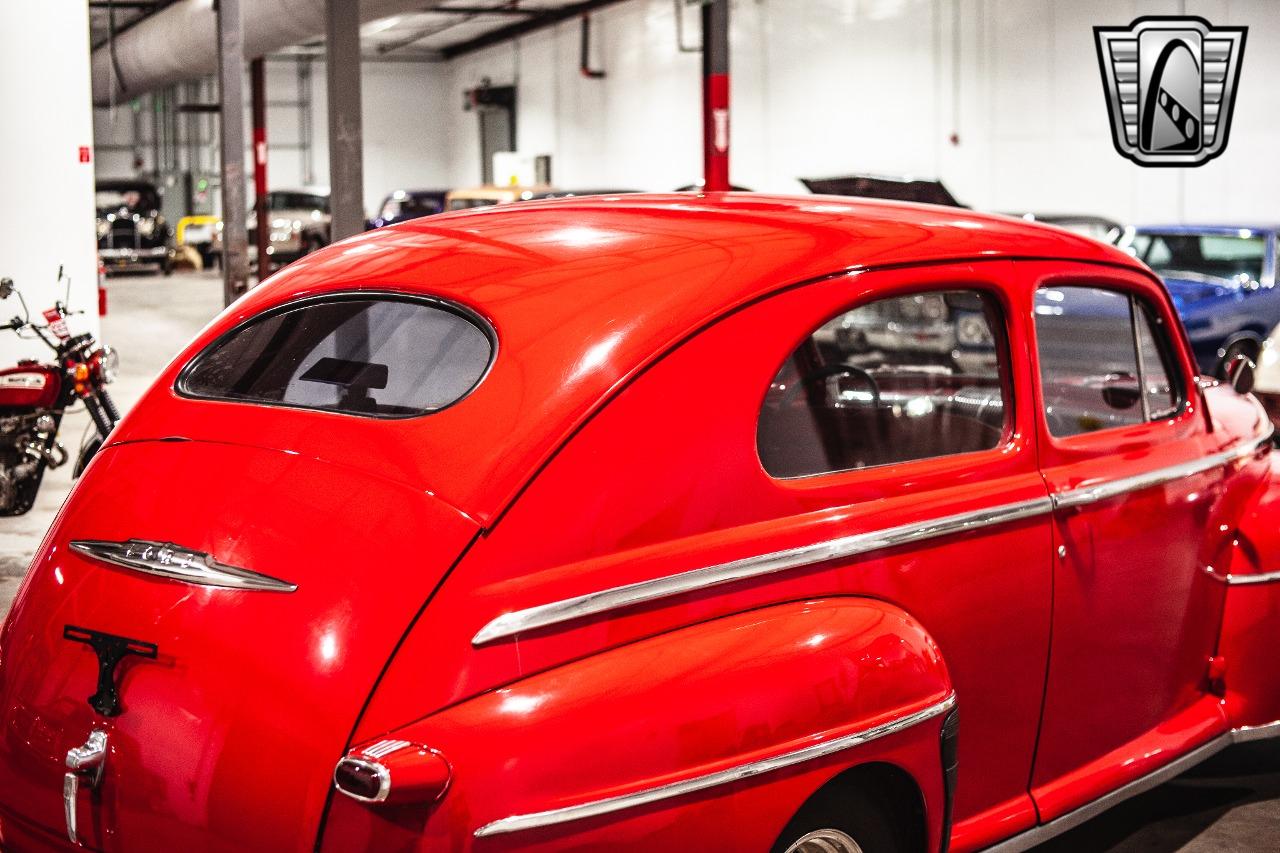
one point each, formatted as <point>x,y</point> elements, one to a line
<point>383,356</point>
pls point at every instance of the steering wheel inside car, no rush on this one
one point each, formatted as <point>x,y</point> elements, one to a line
<point>824,373</point>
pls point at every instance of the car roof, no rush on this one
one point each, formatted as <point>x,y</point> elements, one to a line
<point>586,292</point>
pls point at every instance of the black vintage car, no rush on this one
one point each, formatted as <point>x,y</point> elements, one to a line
<point>131,232</point>
<point>403,205</point>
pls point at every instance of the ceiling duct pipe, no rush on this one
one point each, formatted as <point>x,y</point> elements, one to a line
<point>180,42</point>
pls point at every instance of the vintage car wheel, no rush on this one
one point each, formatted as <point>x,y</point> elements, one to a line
<point>826,841</point>
<point>839,820</point>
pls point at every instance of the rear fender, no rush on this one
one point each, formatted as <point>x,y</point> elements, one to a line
<point>709,736</point>
<point>1251,622</point>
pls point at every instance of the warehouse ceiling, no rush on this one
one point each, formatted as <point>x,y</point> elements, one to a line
<point>438,31</point>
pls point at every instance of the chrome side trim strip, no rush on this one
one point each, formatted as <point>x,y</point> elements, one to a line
<point>1177,767</point>
<point>1247,734</point>
<point>609,805</point>
<point>1158,477</point>
<point>510,624</point>
<point>614,598</point>
<point>1249,580</point>
<point>1071,820</point>
<point>166,560</point>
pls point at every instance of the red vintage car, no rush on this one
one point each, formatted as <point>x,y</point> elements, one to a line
<point>553,527</point>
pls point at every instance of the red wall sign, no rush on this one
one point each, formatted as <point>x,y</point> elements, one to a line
<point>84,153</point>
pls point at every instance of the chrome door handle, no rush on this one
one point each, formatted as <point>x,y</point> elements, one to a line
<point>85,764</point>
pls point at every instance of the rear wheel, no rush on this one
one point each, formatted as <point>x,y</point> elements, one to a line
<point>826,841</point>
<point>848,822</point>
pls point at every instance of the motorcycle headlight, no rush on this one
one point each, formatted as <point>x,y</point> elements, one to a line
<point>108,363</point>
<point>146,227</point>
<point>103,228</point>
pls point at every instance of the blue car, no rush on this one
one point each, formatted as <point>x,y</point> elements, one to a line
<point>1223,282</point>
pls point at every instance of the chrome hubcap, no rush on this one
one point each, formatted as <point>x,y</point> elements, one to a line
<point>825,841</point>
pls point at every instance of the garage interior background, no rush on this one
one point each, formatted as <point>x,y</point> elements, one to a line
<point>881,86</point>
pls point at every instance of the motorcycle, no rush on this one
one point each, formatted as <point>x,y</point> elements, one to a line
<point>35,395</point>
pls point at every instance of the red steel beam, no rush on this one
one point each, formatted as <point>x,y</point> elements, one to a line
<point>715,95</point>
<point>258,96</point>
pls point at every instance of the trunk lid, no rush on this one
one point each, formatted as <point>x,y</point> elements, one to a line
<point>228,738</point>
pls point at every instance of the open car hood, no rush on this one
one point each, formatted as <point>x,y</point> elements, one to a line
<point>876,186</point>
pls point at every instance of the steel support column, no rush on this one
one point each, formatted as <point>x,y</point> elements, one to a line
<point>715,95</point>
<point>346,141</point>
<point>258,95</point>
<point>235,254</point>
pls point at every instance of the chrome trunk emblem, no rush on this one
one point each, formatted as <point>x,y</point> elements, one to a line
<point>166,560</point>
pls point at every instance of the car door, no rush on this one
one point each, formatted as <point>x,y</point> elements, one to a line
<point>1126,454</point>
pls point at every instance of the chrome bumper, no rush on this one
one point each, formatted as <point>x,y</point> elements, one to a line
<point>125,256</point>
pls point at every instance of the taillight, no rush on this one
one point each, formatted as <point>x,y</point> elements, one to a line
<point>393,771</point>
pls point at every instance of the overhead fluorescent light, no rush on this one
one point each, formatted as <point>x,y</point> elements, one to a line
<point>374,27</point>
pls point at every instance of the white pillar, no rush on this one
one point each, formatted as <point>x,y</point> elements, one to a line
<point>46,191</point>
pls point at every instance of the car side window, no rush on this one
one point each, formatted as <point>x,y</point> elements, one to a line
<point>895,380</point>
<point>1104,360</point>
<point>1156,366</point>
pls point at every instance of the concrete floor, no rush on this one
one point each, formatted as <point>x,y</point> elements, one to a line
<point>1230,804</point>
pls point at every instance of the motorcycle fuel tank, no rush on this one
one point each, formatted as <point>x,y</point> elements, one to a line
<point>29,385</point>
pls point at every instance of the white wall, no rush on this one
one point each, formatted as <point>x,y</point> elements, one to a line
<point>825,87</point>
<point>46,217</point>
<point>640,127</point>
<point>405,129</point>
<point>820,88</point>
